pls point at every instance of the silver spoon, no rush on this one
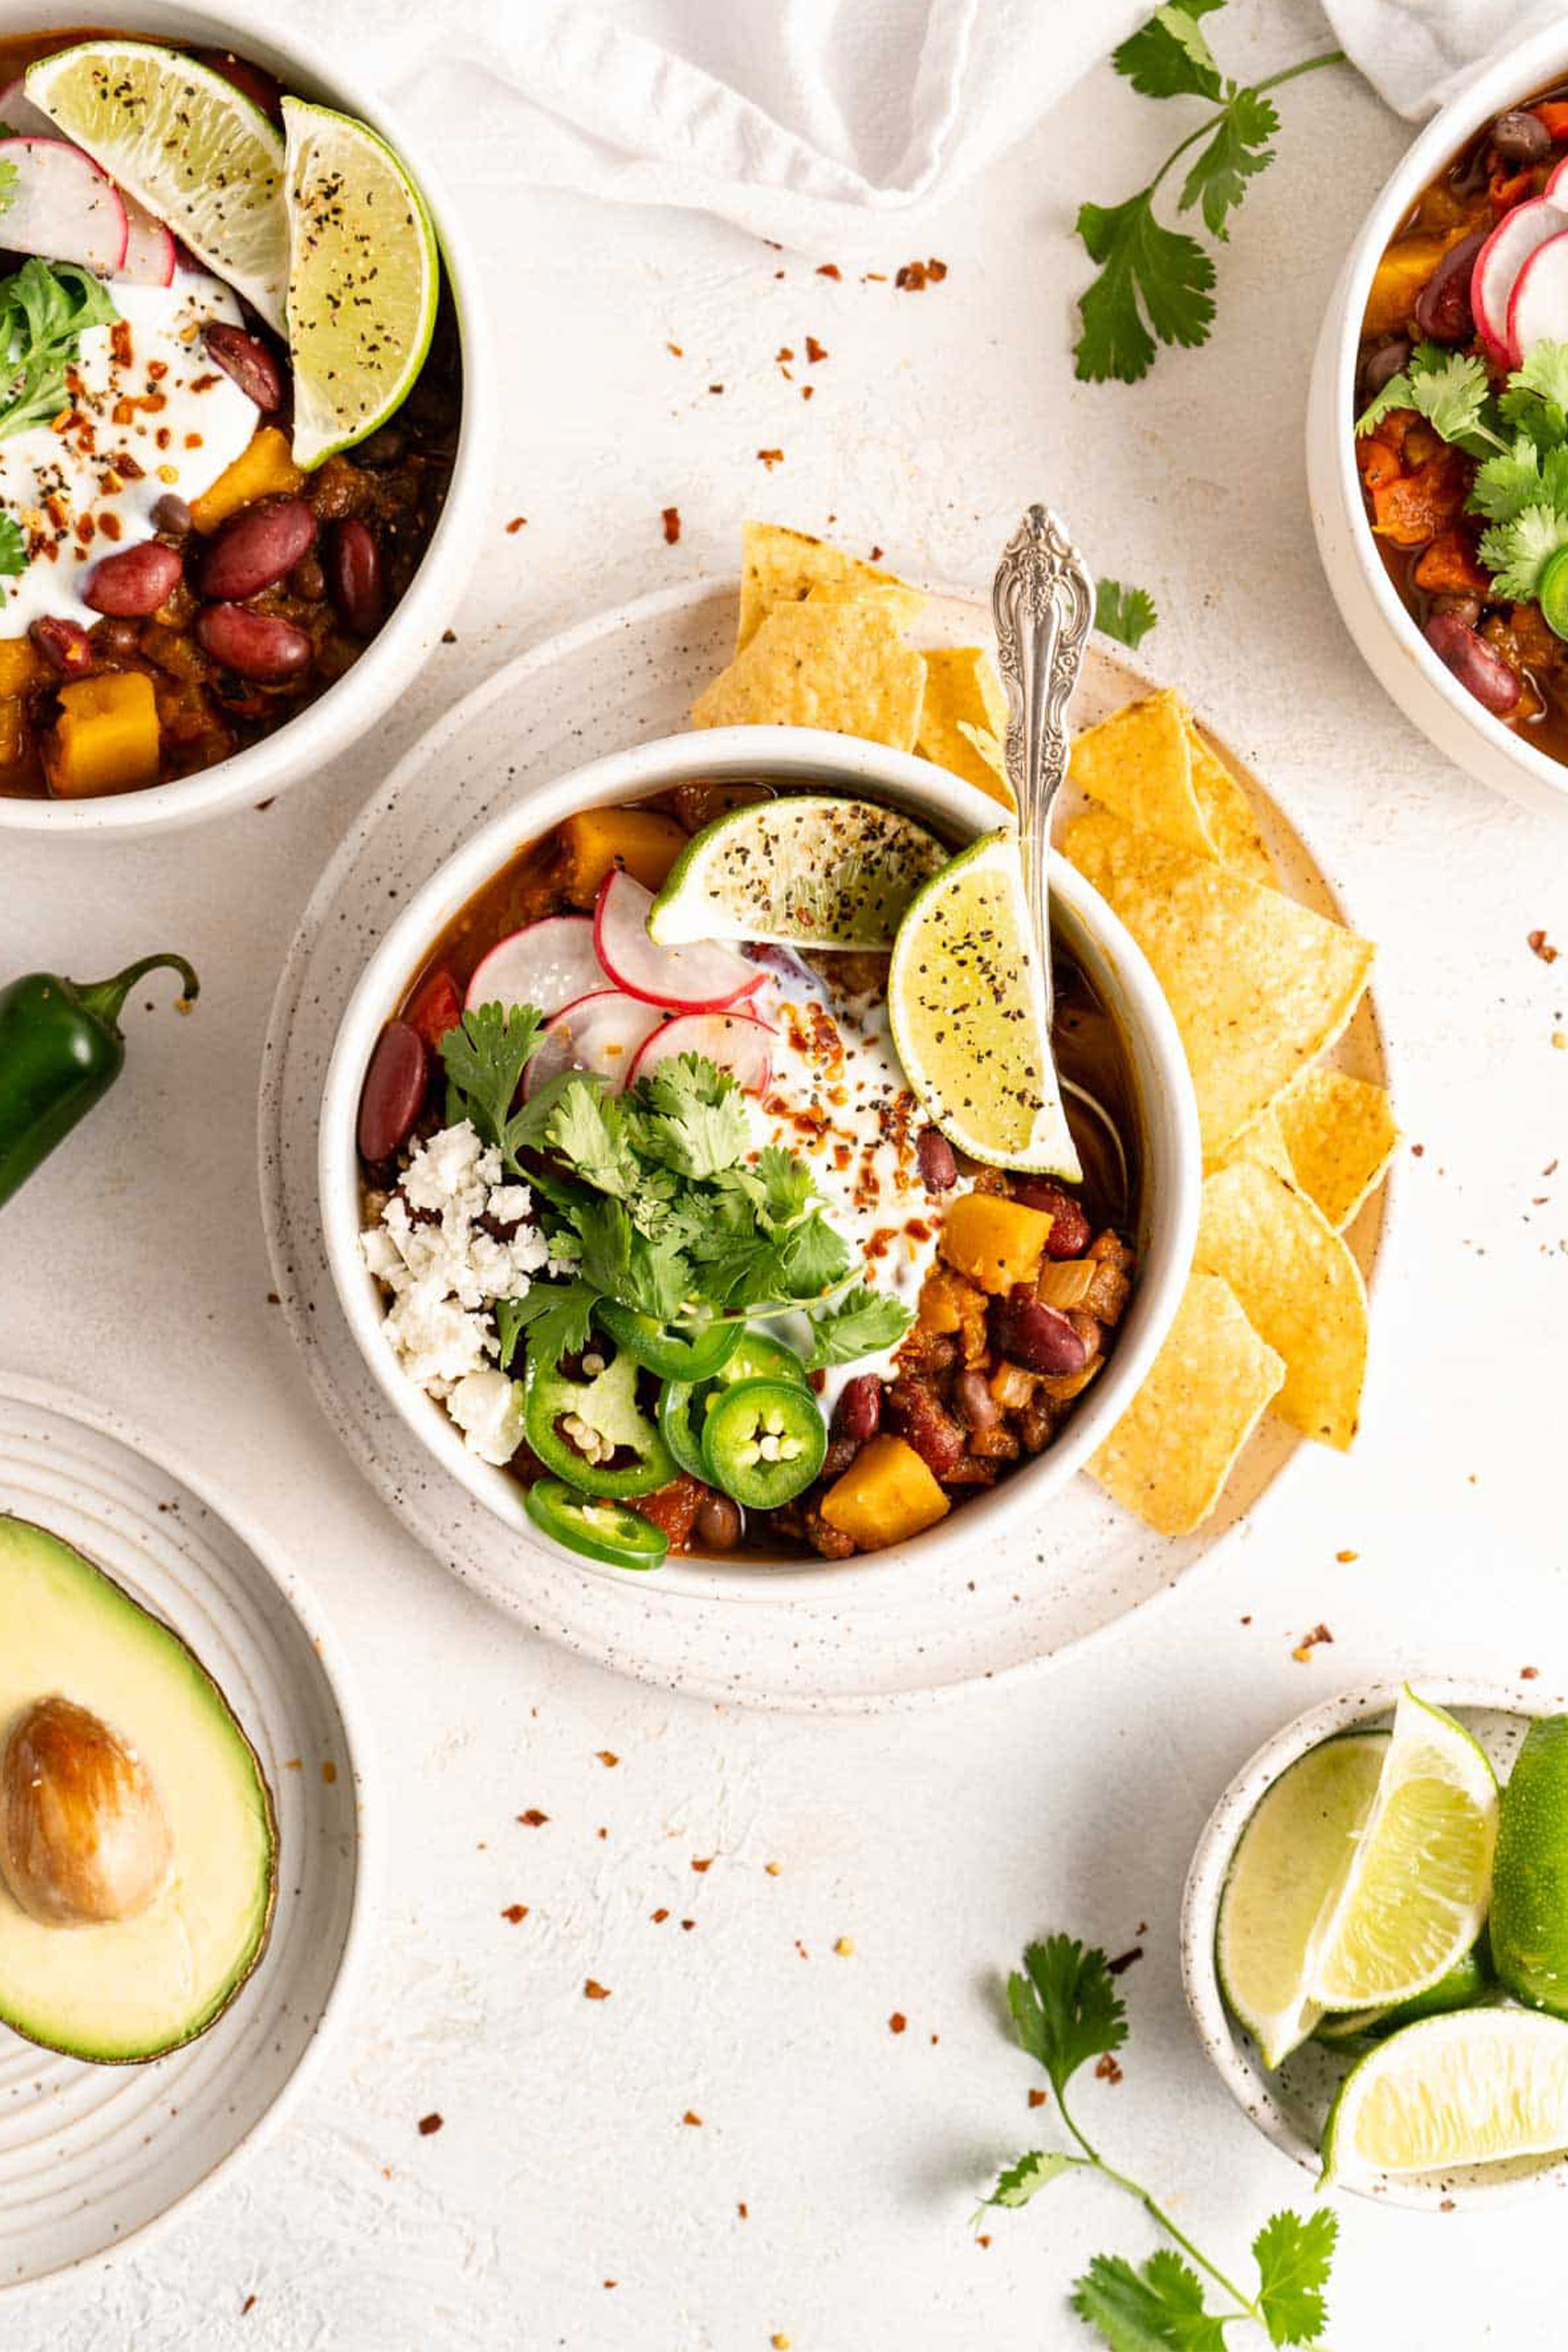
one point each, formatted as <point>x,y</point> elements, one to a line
<point>1042,602</point>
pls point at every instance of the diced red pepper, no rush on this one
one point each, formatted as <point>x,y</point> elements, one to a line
<point>1553,113</point>
<point>1507,189</point>
<point>674,1508</point>
<point>436,1008</point>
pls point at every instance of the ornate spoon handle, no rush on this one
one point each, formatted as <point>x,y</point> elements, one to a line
<point>1042,600</point>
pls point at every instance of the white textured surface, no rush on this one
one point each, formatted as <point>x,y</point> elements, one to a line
<point>939,1842</point>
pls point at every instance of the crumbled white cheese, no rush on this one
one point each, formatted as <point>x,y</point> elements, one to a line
<point>487,1407</point>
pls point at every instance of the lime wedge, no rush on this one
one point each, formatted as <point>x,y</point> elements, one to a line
<point>1471,1982</point>
<point>1290,1861</point>
<point>187,145</point>
<point>969,1015</point>
<point>1415,1898</point>
<point>805,871</point>
<point>1474,2087</point>
<point>363,274</point>
<point>1529,1877</point>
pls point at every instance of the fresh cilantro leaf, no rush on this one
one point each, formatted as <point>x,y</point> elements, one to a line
<point>1126,613</point>
<point>1146,271</point>
<point>1544,370</point>
<point>1159,2309</point>
<point>1236,153</point>
<point>44,309</point>
<point>1517,553</point>
<point>1520,477</point>
<point>862,1323</point>
<point>557,1318</point>
<point>652,1276</point>
<point>1066,2008</point>
<point>1294,2258</point>
<point>779,1187</point>
<point>13,547</point>
<point>588,1129</point>
<point>690,1117</point>
<point>1024,2179</point>
<point>813,1259</point>
<point>484,1058</point>
<point>1168,57</point>
<point>1451,389</point>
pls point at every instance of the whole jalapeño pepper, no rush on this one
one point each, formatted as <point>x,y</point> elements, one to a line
<point>61,1050</point>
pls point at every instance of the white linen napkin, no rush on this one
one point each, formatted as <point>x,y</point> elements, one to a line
<point>1416,53</point>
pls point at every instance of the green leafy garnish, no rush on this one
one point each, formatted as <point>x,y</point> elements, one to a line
<point>1126,613</point>
<point>485,1056</point>
<point>860,1324</point>
<point>1451,389</point>
<point>13,547</point>
<point>44,309</point>
<point>1155,283</point>
<point>1517,553</point>
<point>1066,2010</point>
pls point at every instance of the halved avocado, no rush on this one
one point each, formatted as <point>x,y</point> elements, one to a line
<point>138,1845</point>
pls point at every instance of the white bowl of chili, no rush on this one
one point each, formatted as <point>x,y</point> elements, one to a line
<point>1497,751</point>
<point>1165,1142</point>
<point>456,425</point>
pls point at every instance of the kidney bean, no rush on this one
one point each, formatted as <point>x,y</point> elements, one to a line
<point>1473,662</point>
<point>1069,1235</point>
<point>256,547</point>
<point>253,645</point>
<point>719,1523</point>
<point>1029,1332</point>
<point>64,645</point>
<point>1442,306</point>
<point>248,362</point>
<point>393,1094</point>
<point>923,1421</point>
<point>1385,362</point>
<point>1520,136</point>
<point>134,582</point>
<point>858,1413</point>
<point>1464,608</point>
<point>353,571</point>
<point>938,1166</point>
<point>977,1406</point>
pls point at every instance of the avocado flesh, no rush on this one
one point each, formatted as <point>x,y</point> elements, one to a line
<point>133,1989</point>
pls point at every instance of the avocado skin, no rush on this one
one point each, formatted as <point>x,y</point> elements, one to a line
<point>1529,1900</point>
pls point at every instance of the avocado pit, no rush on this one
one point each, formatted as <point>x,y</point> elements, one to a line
<point>84,1839</point>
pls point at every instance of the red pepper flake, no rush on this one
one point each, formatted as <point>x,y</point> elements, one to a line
<point>608,1758</point>
<point>515,1912</point>
<point>771,457</point>
<point>1418,1151</point>
<point>688,1925</point>
<point>1345,1558</point>
<point>740,2209</point>
<point>936,271</point>
<point>874,278</point>
<point>876,555</point>
<point>1530,1673</point>
<point>982,2240</point>
<point>672,525</point>
<point>829,269</point>
<point>601,1832</point>
<point>815,350</point>
<point>533,1818</point>
<point>692,2117</point>
<point>1539,945</point>
<point>715,387</point>
<point>704,1864</point>
<point>518,523</point>
<point>676,350</point>
<point>806,391</point>
<point>783,354</point>
<point>448,636</point>
<point>247,2306</point>
<point>610,2282</point>
<point>594,1991</point>
<point>911,279</point>
<point>328,1771</point>
<point>1124,1961</point>
<point>660,1916</point>
<point>896,2023</point>
<point>1107,2071</point>
<point>1309,1642</point>
<point>429,2123</point>
<point>1037,2098</point>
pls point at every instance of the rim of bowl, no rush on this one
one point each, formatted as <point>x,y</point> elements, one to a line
<point>351,705</point>
<point>1243,2076</point>
<point>1507,79</point>
<point>1167,1112</point>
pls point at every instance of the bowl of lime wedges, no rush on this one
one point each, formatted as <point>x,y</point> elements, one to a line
<point>1374,1942</point>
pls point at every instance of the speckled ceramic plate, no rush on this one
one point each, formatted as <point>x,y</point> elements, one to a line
<point>90,2156</point>
<point>1290,2106</point>
<point>627,678</point>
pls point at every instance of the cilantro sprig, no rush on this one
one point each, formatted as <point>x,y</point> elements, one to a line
<point>1156,284</point>
<point>1066,2010</point>
<point>44,309</point>
<point>651,1198</point>
<point>1126,613</point>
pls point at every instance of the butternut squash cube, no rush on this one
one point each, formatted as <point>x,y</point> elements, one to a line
<point>264,468</point>
<point>22,665</point>
<point>644,841</point>
<point>887,1495</point>
<point>106,738</point>
<point>1400,276</point>
<point>995,1242</point>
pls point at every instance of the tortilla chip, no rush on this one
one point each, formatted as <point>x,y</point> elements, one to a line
<point>1137,764</point>
<point>1259,986</point>
<point>1340,1135</point>
<point>1299,1288</point>
<point>964,702</point>
<point>1264,1144</point>
<point>839,666</point>
<point>779,566</point>
<point>1169,1454</point>
<point>1228,813</point>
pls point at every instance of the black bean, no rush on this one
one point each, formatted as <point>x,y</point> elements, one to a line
<point>1520,136</point>
<point>1385,362</point>
<point>719,1523</point>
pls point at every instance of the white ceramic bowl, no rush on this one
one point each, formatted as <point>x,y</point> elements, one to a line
<point>1290,2106</point>
<point>1396,651</point>
<point>306,743</point>
<point>1171,1153</point>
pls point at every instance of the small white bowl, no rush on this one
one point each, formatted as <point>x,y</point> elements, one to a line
<point>1291,2105</point>
<point>1396,651</point>
<point>1170,1147</point>
<point>304,744</point>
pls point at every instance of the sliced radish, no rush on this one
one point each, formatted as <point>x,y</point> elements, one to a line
<point>702,978</point>
<point>1539,305</point>
<point>150,248</point>
<point>549,964</point>
<point>62,206</point>
<point>601,1032</point>
<point>733,1041</point>
<point>1556,187</point>
<point>19,114</point>
<point>1497,268</point>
